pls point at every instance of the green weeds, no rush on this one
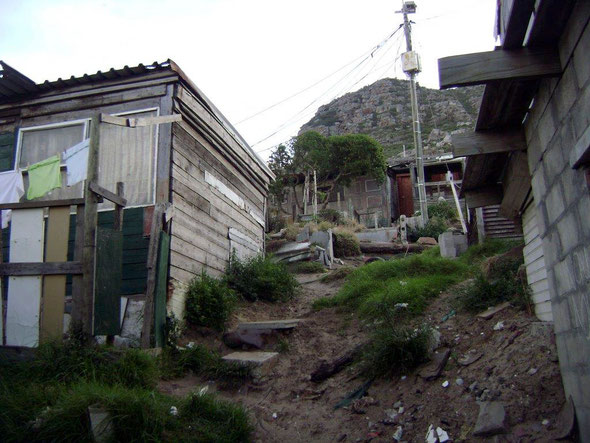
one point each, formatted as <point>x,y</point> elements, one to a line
<point>209,302</point>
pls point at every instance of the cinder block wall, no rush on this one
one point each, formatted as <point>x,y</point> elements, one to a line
<point>560,115</point>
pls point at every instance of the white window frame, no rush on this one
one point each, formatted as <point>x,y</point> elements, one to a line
<point>86,134</point>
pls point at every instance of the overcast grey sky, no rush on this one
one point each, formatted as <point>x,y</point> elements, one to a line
<point>244,55</point>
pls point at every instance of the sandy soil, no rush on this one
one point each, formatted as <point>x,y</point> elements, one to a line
<point>518,367</point>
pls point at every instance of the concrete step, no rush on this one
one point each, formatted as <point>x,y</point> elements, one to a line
<point>260,362</point>
<point>269,325</point>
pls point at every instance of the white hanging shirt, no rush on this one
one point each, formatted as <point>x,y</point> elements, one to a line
<point>11,190</point>
<point>76,159</point>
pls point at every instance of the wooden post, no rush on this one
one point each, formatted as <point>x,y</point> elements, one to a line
<point>152,260</point>
<point>77,280</point>
<point>1,288</point>
<point>117,226</point>
<point>90,223</point>
<point>315,194</point>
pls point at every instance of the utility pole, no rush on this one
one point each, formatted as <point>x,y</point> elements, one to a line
<point>411,66</point>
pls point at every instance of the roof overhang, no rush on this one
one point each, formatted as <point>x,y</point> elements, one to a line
<point>529,33</point>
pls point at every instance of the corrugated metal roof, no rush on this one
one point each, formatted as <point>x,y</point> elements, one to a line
<point>13,83</point>
<point>111,74</point>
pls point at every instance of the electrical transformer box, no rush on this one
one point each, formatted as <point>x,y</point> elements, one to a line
<point>411,62</point>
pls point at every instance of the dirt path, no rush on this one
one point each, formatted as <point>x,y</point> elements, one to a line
<point>518,367</point>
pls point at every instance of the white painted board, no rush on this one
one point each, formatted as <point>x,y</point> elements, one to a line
<point>24,293</point>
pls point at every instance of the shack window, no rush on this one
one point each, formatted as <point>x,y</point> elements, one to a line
<point>128,155</point>
<point>125,154</point>
<point>372,185</point>
<point>42,142</point>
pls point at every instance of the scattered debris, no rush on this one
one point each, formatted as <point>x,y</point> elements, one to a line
<point>442,435</point>
<point>532,371</point>
<point>359,405</point>
<point>545,422</point>
<point>499,326</point>
<point>491,419</point>
<point>275,415</point>
<point>173,410</point>
<point>445,384</point>
<point>431,436</point>
<point>397,435</point>
<point>471,357</point>
<point>490,312</point>
<point>436,366</point>
<point>459,382</point>
<point>451,314</point>
<point>354,395</point>
<point>327,370</point>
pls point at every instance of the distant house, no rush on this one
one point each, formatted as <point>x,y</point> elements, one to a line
<point>404,185</point>
<point>200,166</point>
<point>530,154</point>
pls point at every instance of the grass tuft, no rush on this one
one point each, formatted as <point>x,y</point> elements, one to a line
<point>310,267</point>
<point>209,302</point>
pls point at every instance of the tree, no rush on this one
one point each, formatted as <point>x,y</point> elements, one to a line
<point>337,160</point>
<point>280,163</point>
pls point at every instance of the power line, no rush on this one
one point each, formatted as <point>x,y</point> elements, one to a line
<point>302,111</point>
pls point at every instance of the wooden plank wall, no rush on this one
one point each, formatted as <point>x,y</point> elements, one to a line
<point>203,213</point>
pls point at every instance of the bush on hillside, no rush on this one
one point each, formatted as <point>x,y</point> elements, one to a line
<point>259,278</point>
<point>209,302</point>
<point>345,244</point>
<point>443,210</point>
<point>433,228</point>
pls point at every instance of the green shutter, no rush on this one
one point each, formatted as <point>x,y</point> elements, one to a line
<point>6,151</point>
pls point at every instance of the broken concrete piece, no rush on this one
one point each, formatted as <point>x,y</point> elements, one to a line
<point>269,324</point>
<point>436,366</point>
<point>469,358</point>
<point>427,241</point>
<point>491,419</point>
<point>260,362</point>
<point>397,435</point>
<point>100,423</point>
<point>499,326</point>
<point>442,435</point>
<point>431,436</point>
<point>490,312</point>
<point>303,236</point>
<point>566,420</point>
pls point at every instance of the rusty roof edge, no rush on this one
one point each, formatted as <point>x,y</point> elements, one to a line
<point>223,120</point>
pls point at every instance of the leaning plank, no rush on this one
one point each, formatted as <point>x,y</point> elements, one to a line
<point>138,122</point>
<point>484,67</point>
<point>148,312</point>
<point>270,324</point>
<point>24,293</point>
<point>475,143</point>
<point>43,204</point>
<point>54,286</point>
<point>105,193</point>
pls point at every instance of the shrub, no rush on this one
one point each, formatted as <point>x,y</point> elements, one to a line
<point>259,278</point>
<point>433,228</point>
<point>310,267</point>
<point>276,223</point>
<point>331,215</point>
<point>291,232</point>
<point>443,210</point>
<point>504,285</point>
<point>488,248</point>
<point>209,302</point>
<point>345,244</point>
<point>396,349</point>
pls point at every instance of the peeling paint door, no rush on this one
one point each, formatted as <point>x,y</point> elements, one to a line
<point>404,193</point>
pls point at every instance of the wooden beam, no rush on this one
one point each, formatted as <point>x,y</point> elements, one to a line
<point>514,20</point>
<point>139,122</point>
<point>105,193</point>
<point>485,67</point>
<point>475,143</point>
<point>43,204</point>
<point>41,268</point>
<point>485,196</point>
<point>517,185</point>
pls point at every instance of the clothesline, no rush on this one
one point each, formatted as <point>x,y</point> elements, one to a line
<point>44,176</point>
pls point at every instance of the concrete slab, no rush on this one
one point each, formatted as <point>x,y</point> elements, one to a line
<point>260,362</point>
<point>270,324</point>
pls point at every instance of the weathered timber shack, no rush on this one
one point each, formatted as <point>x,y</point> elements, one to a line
<point>530,154</point>
<point>195,170</point>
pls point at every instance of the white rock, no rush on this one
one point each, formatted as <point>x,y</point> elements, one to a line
<point>274,415</point>
<point>459,382</point>
<point>431,436</point>
<point>442,435</point>
<point>545,422</point>
<point>397,435</point>
<point>445,384</point>
<point>499,326</point>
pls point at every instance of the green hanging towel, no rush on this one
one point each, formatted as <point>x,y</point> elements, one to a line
<point>43,177</point>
